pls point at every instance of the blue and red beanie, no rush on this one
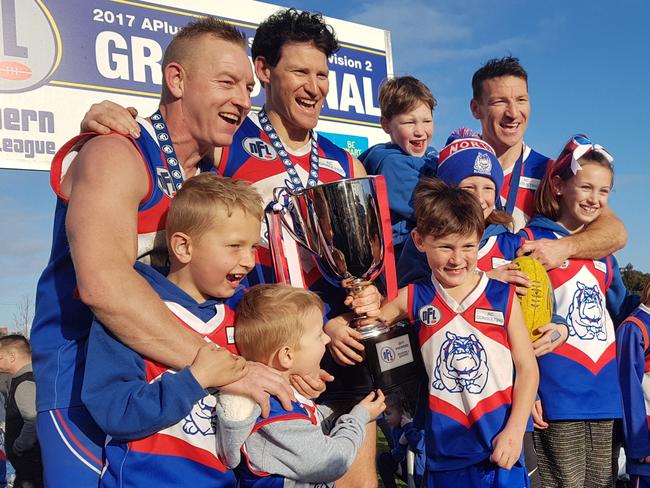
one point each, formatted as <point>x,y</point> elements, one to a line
<point>467,155</point>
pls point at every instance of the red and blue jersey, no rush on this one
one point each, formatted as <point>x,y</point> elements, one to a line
<point>62,321</point>
<point>578,380</point>
<point>164,432</point>
<point>467,356</point>
<point>532,168</point>
<point>633,356</point>
<point>252,157</point>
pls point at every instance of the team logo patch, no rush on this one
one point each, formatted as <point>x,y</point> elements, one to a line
<point>30,45</point>
<point>165,182</point>
<point>259,149</point>
<point>429,315</point>
<point>461,365</point>
<point>482,164</point>
<point>586,313</point>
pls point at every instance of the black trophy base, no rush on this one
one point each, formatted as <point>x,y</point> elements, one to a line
<point>393,358</point>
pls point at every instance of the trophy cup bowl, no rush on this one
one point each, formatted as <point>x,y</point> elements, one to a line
<point>340,224</point>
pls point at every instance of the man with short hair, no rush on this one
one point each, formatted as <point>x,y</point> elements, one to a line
<point>21,441</point>
<point>502,104</point>
<point>113,194</point>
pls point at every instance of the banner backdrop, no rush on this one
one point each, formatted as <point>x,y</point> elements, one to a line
<point>57,57</point>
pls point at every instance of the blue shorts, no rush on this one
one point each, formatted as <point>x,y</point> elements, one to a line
<point>71,447</point>
<point>481,475</point>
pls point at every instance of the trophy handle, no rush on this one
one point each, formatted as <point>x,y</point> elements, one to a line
<point>280,194</point>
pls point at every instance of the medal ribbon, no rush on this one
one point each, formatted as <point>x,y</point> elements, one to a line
<point>167,148</point>
<point>294,182</point>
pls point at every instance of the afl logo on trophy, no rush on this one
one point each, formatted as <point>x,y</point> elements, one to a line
<point>30,45</point>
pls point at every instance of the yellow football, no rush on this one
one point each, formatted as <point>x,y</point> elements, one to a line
<point>537,305</point>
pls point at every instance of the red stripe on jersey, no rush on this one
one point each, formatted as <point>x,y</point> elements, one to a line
<point>166,445</point>
<point>559,276</point>
<point>503,397</point>
<point>575,354</point>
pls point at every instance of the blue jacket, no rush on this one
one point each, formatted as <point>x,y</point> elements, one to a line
<point>402,173</point>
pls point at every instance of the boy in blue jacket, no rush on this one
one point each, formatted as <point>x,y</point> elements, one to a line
<point>160,421</point>
<point>406,106</point>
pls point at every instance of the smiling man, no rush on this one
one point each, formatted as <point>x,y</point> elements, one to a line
<point>113,195</point>
<point>502,104</point>
<point>278,147</point>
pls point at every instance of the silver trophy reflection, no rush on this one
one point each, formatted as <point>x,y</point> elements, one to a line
<point>340,224</point>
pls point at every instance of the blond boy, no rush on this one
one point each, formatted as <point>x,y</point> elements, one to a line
<point>282,327</point>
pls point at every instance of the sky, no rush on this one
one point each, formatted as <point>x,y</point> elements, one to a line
<point>588,64</point>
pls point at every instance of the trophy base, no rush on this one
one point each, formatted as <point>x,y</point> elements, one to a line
<point>372,330</point>
<point>393,358</point>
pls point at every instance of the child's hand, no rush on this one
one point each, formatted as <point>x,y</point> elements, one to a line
<point>553,336</point>
<point>538,416</point>
<point>406,419</point>
<point>345,341</point>
<point>509,273</point>
<point>645,460</point>
<point>374,403</point>
<point>506,448</point>
<point>365,302</point>
<point>215,367</point>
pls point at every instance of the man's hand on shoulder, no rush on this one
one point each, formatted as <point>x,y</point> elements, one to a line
<point>107,116</point>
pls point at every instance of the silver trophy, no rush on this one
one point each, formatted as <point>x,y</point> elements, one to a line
<point>340,224</point>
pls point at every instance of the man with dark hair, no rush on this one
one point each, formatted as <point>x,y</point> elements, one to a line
<point>502,104</point>
<point>114,193</point>
<point>21,442</point>
<point>278,147</point>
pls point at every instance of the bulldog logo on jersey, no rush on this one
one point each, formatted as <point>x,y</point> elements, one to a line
<point>586,312</point>
<point>200,419</point>
<point>461,365</point>
<point>259,149</point>
<point>482,164</point>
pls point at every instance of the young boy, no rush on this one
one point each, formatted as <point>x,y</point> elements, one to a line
<point>632,347</point>
<point>160,421</point>
<point>406,106</point>
<point>474,342</point>
<point>282,327</point>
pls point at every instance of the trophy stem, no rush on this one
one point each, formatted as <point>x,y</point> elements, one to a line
<point>367,330</point>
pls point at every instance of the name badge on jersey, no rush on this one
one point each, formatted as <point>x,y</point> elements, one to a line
<point>332,165</point>
<point>493,317</point>
<point>230,335</point>
<point>600,266</point>
<point>529,183</point>
<point>259,149</point>
<point>496,262</point>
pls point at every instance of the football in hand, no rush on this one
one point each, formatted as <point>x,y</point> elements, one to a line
<point>537,305</point>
